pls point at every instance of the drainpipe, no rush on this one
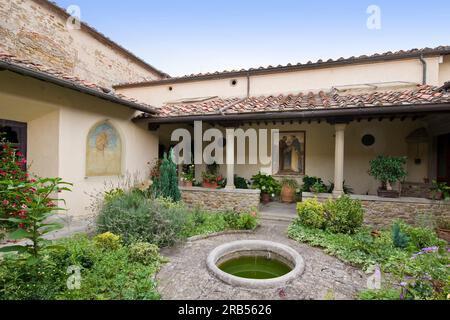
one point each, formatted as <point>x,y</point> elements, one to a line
<point>248,84</point>
<point>424,69</point>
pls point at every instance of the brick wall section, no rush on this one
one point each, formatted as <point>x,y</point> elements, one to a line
<point>34,30</point>
<point>381,212</point>
<point>221,200</point>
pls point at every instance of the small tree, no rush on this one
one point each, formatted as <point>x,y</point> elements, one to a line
<point>388,170</point>
<point>166,185</point>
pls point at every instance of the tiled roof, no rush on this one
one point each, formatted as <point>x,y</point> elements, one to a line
<point>419,95</point>
<point>402,54</point>
<point>9,61</point>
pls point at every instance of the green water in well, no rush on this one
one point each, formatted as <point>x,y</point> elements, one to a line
<point>255,267</point>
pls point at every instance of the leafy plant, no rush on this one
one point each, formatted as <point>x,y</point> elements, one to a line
<point>441,188</point>
<point>346,188</point>
<point>388,170</point>
<point>188,174</point>
<point>31,220</point>
<point>344,215</point>
<point>311,213</point>
<point>290,183</point>
<point>266,183</point>
<point>318,187</point>
<point>309,182</point>
<point>166,185</point>
<point>247,221</point>
<point>145,253</point>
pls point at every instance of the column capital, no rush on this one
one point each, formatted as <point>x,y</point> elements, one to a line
<point>340,126</point>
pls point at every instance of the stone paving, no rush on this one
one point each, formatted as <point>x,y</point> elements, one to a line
<point>186,275</point>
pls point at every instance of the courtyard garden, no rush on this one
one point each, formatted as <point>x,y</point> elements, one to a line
<point>139,248</point>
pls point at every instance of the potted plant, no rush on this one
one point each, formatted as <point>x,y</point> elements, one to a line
<point>439,191</point>
<point>188,177</point>
<point>388,170</point>
<point>211,178</point>
<point>443,229</point>
<point>288,189</point>
<point>267,184</point>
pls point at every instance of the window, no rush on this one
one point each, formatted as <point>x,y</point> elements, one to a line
<point>368,140</point>
<point>15,133</point>
<point>292,153</point>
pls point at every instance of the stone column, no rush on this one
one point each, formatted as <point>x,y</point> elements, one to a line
<point>339,160</point>
<point>230,159</point>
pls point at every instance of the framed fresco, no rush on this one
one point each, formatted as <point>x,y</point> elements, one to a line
<point>103,151</point>
<point>291,157</point>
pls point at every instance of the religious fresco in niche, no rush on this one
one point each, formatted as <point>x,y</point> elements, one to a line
<point>292,153</point>
<point>104,151</point>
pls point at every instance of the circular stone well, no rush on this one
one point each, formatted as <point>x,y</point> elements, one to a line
<point>259,248</point>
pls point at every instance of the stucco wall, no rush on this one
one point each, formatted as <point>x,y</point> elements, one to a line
<point>409,71</point>
<point>58,126</point>
<point>34,30</point>
<point>390,140</point>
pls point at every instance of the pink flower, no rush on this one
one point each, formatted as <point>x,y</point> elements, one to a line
<point>5,202</point>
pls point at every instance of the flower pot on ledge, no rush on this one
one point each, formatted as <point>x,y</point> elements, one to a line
<point>186,184</point>
<point>210,184</point>
<point>383,193</point>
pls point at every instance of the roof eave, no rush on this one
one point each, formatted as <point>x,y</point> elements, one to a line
<point>73,86</point>
<point>376,111</point>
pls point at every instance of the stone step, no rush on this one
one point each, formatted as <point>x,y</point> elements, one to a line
<point>277,217</point>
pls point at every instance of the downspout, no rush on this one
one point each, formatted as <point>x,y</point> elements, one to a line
<point>424,69</point>
<point>248,84</point>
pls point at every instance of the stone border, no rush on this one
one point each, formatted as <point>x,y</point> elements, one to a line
<point>239,191</point>
<point>307,195</point>
<point>255,245</point>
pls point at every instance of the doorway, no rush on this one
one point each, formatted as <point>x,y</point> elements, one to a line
<point>443,158</point>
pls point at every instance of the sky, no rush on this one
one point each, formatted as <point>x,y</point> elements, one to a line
<point>191,36</point>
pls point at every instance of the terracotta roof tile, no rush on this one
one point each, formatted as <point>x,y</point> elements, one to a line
<point>308,101</point>
<point>319,63</point>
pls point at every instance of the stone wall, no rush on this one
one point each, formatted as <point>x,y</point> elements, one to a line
<point>239,200</point>
<point>381,212</point>
<point>36,30</point>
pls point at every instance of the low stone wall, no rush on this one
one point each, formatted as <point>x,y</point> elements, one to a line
<point>239,200</point>
<point>381,212</point>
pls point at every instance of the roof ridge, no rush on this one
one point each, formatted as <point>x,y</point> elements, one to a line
<point>400,54</point>
<point>61,10</point>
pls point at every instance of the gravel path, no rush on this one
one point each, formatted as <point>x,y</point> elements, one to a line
<point>186,275</point>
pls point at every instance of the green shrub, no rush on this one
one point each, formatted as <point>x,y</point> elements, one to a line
<point>137,218</point>
<point>266,183</point>
<point>145,253</point>
<point>247,221</point>
<point>420,237</point>
<point>166,185</point>
<point>311,213</point>
<point>112,194</point>
<point>107,241</point>
<point>388,170</point>
<point>105,275</point>
<point>309,182</point>
<point>399,238</point>
<point>344,215</point>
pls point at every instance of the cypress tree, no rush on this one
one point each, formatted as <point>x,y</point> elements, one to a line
<point>167,184</point>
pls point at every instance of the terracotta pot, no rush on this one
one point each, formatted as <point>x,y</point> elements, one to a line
<point>388,193</point>
<point>444,234</point>
<point>210,185</point>
<point>187,184</point>
<point>287,194</point>
<point>265,198</point>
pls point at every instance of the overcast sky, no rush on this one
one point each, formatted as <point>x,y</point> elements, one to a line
<point>183,37</point>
